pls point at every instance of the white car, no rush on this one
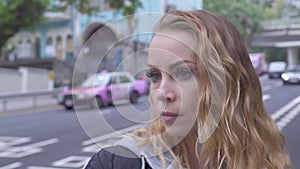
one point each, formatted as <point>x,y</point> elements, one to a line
<point>291,75</point>
<point>276,69</point>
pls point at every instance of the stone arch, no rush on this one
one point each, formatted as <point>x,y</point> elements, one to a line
<point>102,31</point>
<point>98,39</point>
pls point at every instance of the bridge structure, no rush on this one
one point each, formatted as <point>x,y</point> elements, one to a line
<point>281,34</point>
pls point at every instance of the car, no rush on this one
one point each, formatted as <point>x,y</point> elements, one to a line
<point>103,89</point>
<point>259,62</point>
<point>276,68</point>
<point>291,75</point>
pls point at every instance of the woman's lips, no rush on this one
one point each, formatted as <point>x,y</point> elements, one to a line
<point>168,116</point>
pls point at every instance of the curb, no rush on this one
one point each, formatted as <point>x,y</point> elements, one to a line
<point>30,110</point>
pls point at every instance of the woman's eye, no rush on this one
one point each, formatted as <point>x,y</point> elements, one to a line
<point>183,73</point>
<point>155,76</point>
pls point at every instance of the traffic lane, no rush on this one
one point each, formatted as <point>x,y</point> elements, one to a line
<point>127,115</point>
<point>292,136</point>
<point>39,138</point>
<point>268,83</point>
<point>58,136</point>
<point>280,96</point>
<point>49,138</point>
<point>106,120</point>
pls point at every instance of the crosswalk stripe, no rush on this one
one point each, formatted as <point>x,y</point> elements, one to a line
<point>113,134</point>
<point>39,167</point>
<point>285,108</point>
<point>12,166</point>
<point>266,97</point>
<point>285,120</point>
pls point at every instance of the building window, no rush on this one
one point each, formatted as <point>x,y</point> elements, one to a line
<point>69,43</point>
<point>59,47</point>
<point>49,41</point>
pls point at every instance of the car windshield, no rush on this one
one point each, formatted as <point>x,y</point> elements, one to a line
<point>293,69</point>
<point>277,66</point>
<point>95,80</point>
<point>255,63</point>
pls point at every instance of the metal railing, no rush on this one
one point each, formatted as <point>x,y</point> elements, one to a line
<point>9,102</point>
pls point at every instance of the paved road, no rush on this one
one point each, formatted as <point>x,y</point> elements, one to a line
<point>57,138</point>
<point>283,103</point>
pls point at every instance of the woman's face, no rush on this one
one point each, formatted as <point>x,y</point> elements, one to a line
<point>174,91</point>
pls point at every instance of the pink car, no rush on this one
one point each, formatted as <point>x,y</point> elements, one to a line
<point>103,89</point>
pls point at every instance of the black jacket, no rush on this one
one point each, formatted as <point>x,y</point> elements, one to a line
<point>116,157</point>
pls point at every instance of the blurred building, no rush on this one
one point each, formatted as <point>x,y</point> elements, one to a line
<point>66,37</point>
<point>283,32</point>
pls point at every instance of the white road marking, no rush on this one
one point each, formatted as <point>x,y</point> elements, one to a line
<point>95,144</point>
<point>284,121</point>
<point>19,152</point>
<point>268,87</point>
<point>43,143</point>
<point>266,97</point>
<point>110,135</point>
<point>12,147</point>
<point>72,162</point>
<point>94,148</point>
<point>12,166</point>
<point>6,141</point>
<point>39,167</point>
<point>285,108</point>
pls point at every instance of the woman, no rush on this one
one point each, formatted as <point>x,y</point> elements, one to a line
<point>207,103</point>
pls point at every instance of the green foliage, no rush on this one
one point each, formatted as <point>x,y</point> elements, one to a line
<point>245,14</point>
<point>83,6</point>
<point>128,7</point>
<point>275,10</point>
<point>17,14</point>
<point>275,54</point>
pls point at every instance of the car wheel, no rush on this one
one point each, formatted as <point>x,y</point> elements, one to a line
<point>134,97</point>
<point>270,77</point>
<point>97,102</point>
<point>68,104</point>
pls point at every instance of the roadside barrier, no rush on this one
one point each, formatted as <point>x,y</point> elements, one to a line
<point>10,102</point>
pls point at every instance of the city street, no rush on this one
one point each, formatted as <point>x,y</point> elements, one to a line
<point>60,139</point>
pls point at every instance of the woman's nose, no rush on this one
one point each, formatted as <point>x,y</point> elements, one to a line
<point>167,89</point>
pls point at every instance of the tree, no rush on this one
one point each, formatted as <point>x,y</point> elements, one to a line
<point>83,6</point>
<point>245,14</point>
<point>127,7</point>
<point>17,14</point>
<point>275,10</point>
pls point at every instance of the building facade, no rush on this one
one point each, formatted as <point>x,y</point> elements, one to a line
<point>71,35</point>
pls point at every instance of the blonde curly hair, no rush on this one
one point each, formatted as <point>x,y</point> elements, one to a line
<point>245,136</point>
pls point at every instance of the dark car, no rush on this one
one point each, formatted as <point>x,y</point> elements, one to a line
<point>291,75</point>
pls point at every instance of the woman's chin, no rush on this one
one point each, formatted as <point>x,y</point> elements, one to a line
<point>176,130</point>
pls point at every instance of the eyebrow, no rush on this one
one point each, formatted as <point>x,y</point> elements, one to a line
<point>175,64</point>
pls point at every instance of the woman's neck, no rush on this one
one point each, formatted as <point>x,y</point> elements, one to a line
<point>190,141</point>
